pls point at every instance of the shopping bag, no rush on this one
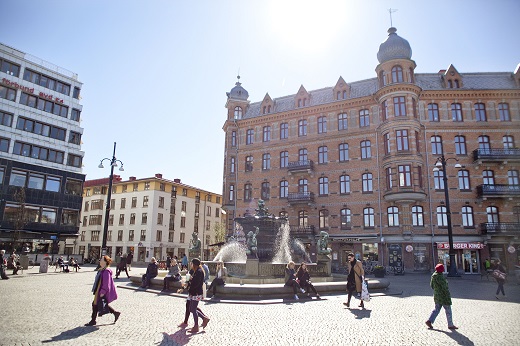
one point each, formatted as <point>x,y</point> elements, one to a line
<point>102,306</point>
<point>365,296</point>
<point>497,274</point>
<point>204,290</point>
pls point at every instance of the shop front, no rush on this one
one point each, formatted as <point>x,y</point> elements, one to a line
<point>467,256</point>
<point>363,248</point>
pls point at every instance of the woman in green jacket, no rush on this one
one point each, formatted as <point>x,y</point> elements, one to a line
<point>441,297</point>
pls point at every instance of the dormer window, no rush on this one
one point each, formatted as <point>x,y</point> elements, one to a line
<point>397,74</point>
<point>238,112</point>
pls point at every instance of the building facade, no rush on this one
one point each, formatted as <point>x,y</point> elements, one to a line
<point>150,217</point>
<point>41,176</point>
<point>356,160</point>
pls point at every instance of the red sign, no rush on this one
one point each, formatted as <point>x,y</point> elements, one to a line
<point>461,246</point>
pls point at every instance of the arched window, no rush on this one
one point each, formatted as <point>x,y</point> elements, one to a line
<point>284,159</point>
<point>343,152</point>
<point>266,190</point>
<point>492,215</point>
<point>322,124</point>
<point>436,142</point>
<point>232,165</point>
<point>456,112</point>
<point>249,164</point>
<point>303,186</point>
<point>460,145</point>
<point>367,182</point>
<point>368,217</point>
<point>323,156</point>
<point>303,218</point>
<point>512,177</point>
<point>433,112</point>
<point>346,218</point>
<point>284,189</point>
<point>464,180</point>
<point>397,74</point>
<point>483,144</point>
<point>467,216</point>
<point>393,216</point>
<point>480,112</point>
<point>303,155</point>
<point>324,218</point>
<point>442,216</point>
<point>323,183</point>
<point>488,177</point>
<point>366,152</point>
<point>344,184</point>
<point>231,193</point>
<point>248,192</point>
<point>417,216</point>
<point>238,112</point>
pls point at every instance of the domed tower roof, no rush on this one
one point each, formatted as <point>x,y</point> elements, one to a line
<point>395,47</point>
<point>238,92</point>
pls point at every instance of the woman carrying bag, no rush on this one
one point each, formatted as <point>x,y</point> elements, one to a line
<point>354,278</point>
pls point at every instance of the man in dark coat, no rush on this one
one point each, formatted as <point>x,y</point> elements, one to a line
<point>129,260</point>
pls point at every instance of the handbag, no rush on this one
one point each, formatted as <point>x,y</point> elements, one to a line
<point>365,296</point>
<point>497,274</point>
<point>102,306</point>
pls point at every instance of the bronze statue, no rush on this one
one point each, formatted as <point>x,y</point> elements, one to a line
<point>323,244</point>
<point>252,243</point>
<point>195,246</point>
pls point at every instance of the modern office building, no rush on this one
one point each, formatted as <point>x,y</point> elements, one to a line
<point>357,159</point>
<point>41,176</point>
<point>149,217</point>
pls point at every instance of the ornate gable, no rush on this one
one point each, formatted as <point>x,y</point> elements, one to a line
<point>451,78</point>
<point>302,98</point>
<point>341,90</point>
<point>267,105</point>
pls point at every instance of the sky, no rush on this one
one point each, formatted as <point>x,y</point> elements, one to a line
<point>155,73</point>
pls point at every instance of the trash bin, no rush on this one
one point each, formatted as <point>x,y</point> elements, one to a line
<point>44,264</point>
<point>24,261</point>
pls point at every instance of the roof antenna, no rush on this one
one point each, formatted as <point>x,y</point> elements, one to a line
<point>390,11</point>
<point>238,76</point>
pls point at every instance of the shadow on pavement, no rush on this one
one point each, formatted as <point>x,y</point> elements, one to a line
<point>456,336</point>
<point>360,314</point>
<point>180,337</point>
<point>71,334</point>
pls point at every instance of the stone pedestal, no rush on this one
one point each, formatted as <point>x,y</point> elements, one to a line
<point>326,262</point>
<point>252,267</point>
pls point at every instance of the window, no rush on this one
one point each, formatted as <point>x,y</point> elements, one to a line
<point>512,177</point>
<point>266,161</point>
<point>483,143</point>
<point>387,143</point>
<point>121,219</point>
<point>346,218</point>
<point>266,133</point>
<point>233,138</point>
<point>323,183</point>
<point>303,218</point>
<point>18,178</point>
<point>492,215</point>
<point>322,124</point>
<point>266,190</point>
<point>248,192</point>
<point>143,235</point>
<point>123,203</point>
<point>302,128</point>
<point>160,218</point>
<point>397,74</point>
<point>344,184</point>
<point>342,121</point>
<point>365,150</point>
<point>508,142</point>
<point>135,187</point>
<point>249,163</point>
<point>46,82</point>
<point>111,220</point>
<point>480,112</point>
<point>393,216</point>
<point>399,106</point>
<point>120,235</point>
<point>303,155</point>
<point>75,137</point>
<point>456,112</point>
<point>433,112</point>
<point>323,156</point>
<point>463,176</point>
<point>144,218</point>
<point>74,160</point>
<point>94,236</point>
<point>384,110</point>
<point>467,217</point>
<point>417,216</point>
<point>402,140</point>
<point>442,216</point>
<point>36,152</point>
<point>94,220</point>
<point>303,186</point>
<point>405,175</point>
<point>146,185</point>
<point>367,182</point>
<point>436,142</point>
<point>184,206</point>
<point>6,119</point>
<point>8,93</point>
<point>145,201</point>
<point>488,177</point>
<point>324,218</point>
<point>132,218</point>
<point>284,130</point>
<point>343,152</point>
<point>231,193</point>
<point>250,136</point>
<point>364,118</point>
<point>284,159</point>
<point>389,180</point>
<point>368,217</point>
<point>438,180</point>
<point>9,67</point>
<point>503,110</point>
<point>284,189</point>
<point>75,114</point>
<point>460,145</point>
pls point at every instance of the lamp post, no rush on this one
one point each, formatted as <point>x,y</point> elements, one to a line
<point>113,163</point>
<point>441,165</point>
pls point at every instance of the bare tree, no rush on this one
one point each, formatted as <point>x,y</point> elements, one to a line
<point>19,220</point>
<point>220,232</point>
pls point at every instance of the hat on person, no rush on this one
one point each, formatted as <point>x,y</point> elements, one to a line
<point>196,261</point>
<point>439,268</point>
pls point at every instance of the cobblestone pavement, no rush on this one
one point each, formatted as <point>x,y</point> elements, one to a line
<point>52,308</point>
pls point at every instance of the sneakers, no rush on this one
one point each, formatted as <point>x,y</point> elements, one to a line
<point>452,327</point>
<point>91,323</point>
<point>296,297</point>
<point>429,324</point>
<point>204,322</point>
<point>301,289</point>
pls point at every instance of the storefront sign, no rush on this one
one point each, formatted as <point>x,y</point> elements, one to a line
<point>31,90</point>
<point>511,249</point>
<point>409,248</point>
<point>461,246</point>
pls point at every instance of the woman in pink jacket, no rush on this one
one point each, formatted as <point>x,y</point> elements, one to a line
<point>103,288</point>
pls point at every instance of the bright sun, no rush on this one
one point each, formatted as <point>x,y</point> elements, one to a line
<point>307,25</point>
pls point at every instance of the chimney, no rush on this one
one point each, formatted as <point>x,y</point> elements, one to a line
<point>442,71</point>
<point>158,175</point>
<point>178,181</point>
<point>132,178</point>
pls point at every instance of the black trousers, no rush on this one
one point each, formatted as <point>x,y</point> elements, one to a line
<point>95,311</point>
<point>118,271</point>
<point>294,285</point>
<point>216,282</point>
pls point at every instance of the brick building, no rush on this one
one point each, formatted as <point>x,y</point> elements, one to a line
<point>356,160</point>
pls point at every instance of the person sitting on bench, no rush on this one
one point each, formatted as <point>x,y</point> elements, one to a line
<point>61,264</point>
<point>151,271</point>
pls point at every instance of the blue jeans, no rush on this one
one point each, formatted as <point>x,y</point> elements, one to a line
<point>436,311</point>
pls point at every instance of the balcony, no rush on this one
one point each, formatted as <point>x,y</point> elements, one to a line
<point>301,198</point>
<point>405,194</point>
<point>496,155</point>
<point>302,230</point>
<point>303,166</point>
<point>501,228</point>
<point>498,191</point>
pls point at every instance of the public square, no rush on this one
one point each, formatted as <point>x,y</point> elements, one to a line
<point>53,308</point>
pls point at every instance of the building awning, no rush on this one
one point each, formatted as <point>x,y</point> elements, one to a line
<point>352,238</point>
<point>461,245</point>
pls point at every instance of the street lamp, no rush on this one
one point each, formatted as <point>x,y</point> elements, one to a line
<point>440,164</point>
<point>113,163</point>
